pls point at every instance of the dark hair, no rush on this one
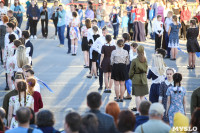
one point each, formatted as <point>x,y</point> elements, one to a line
<point>193,22</point>
<point>89,123</point>
<point>10,11</point>
<point>18,3</point>
<point>89,2</point>
<point>11,25</point>
<point>161,51</point>
<point>45,118</point>
<point>18,75</point>
<point>108,38</point>
<point>195,120</point>
<point>90,7</point>
<point>94,20</point>
<point>2,127</point>
<point>159,16</point>
<point>120,43</point>
<point>126,121</point>
<point>32,118</point>
<point>135,45</point>
<point>88,23</point>
<point>23,115</point>
<point>22,40</point>
<point>126,37</point>
<point>94,100</point>
<point>177,77</point>
<point>95,28</point>
<point>17,43</point>
<point>104,28</point>
<point>26,34</point>
<point>22,86</point>
<point>74,14</point>
<point>144,107</point>
<point>196,19</point>
<point>26,67</point>
<point>11,38</point>
<point>43,4</point>
<point>30,71</point>
<point>81,6</point>
<point>73,120</point>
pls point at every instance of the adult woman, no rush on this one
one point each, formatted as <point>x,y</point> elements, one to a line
<point>173,33</point>
<point>137,73</point>
<point>8,65</point>
<point>2,34</point>
<point>45,121</point>
<point>45,13</point>
<point>89,13</point>
<point>195,120</point>
<point>33,13</point>
<point>139,32</point>
<point>176,100</point>
<point>192,43</point>
<point>74,32</point>
<point>119,60</point>
<point>18,10</point>
<point>185,18</point>
<point>105,62</point>
<point>20,100</point>
<point>3,9</point>
<point>112,108</point>
<point>38,104</point>
<point>167,9</point>
<point>85,46</point>
<point>55,19</point>
<point>161,10</point>
<point>176,10</point>
<point>126,122</point>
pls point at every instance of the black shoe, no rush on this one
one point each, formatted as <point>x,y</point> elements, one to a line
<point>107,91</point>
<point>86,66</point>
<point>134,109</point>
<point>68,52</point>
<point>189,67</point>
<point>100,88</point>
<point>167,57</point>
<point>95,77</point>
<point>6,88</point>
<point>121,100</point>
<point>89,76</point>
<point>117,100</point>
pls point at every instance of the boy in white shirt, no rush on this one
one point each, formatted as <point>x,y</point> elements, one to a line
<point>158,28</point>
<point>168,21</point>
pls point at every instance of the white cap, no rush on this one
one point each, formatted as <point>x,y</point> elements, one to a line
<point>157,107</point>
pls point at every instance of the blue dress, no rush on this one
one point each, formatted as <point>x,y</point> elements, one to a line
<point>174,36</point>
<point>176,103</point>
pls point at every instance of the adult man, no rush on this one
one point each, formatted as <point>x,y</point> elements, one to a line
<point>28,45</point>
<point>60,13</point>
<point>23,115</point>
<point>144,113</point>
<point>72,122</point>
<point>68,19</point>
<point>97,47</point>
<point>195,100</point>
<point>101,13</point>
<point>155,123</point>
<point>30,74</point>
<point>106,122</point>
<point>18,77</point>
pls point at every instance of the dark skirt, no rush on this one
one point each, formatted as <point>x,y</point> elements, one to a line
<point>154,93</point>
<point>84,44</point>
<point>140,90</point>
<point>139,31</point>
<point>94,56</point>
<point>193,46</point>
<point>106,67</point>
<point>119,72</point>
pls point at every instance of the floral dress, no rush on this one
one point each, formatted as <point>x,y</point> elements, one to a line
<point>8,55</point>
<point>176,104</point>
<point>174,36</point>
<point>74,29</point>
<point>14,102</point>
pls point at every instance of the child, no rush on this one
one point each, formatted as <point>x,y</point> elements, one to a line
<point>115,22</point>
<point>80,13</point>
<point>158,28</point>
<point>124,24</point>
<point>176,98</point>
<point>157,74</point>
<point>168,21</point>
<point>163,89</point>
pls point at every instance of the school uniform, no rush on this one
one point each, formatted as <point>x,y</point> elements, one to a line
<point>168,21</point>
<point>158,28</point>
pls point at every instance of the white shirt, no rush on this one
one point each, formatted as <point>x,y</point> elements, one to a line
<point>168,21</point>
<point>20,32</point>
<point>3,10</point>
<point>28,51</point>
<point>132,55</point>
<point>37,87</point>
<point>6,40</point>
<point>91,33</point>
<point>68,17</point>
<point>158,26</point>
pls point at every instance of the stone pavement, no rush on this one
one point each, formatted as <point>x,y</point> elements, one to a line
<point>67,77</point>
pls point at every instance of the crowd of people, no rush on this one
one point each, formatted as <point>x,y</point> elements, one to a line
<point>112,59</point>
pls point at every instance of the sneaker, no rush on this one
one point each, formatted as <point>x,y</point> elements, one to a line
<point>31,37</point>
<point>100,88</point>
<point>134,109</point>
<point>60,45</point>
<point>35,37</point>
<point>107,91</point>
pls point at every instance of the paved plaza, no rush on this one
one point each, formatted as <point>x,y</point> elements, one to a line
<point>67,78</point>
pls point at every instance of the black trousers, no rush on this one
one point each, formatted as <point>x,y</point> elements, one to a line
<point>44,24</point>
<point>33,26</point>
<point>130,30</point>
<point>184,29</point>
<point>100,73</point>
<point>55,22</point>
<point>157,41</point>
<point>146,28</point>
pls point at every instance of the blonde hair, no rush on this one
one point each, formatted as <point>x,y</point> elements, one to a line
<point>159,64</point>
<point>21,56</point>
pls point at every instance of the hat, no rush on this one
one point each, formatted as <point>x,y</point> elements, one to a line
<point>140,49</point>
<point>158,107</point>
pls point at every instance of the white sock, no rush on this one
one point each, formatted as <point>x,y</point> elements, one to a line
<point>76,47</point>
<point>72,47</point>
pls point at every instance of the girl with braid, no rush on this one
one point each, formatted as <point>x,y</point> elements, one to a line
<point>20,100</point>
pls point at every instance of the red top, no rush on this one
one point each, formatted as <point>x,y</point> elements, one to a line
<point>185,15</point>
<point>38,104</point>
<point>139,13</point>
